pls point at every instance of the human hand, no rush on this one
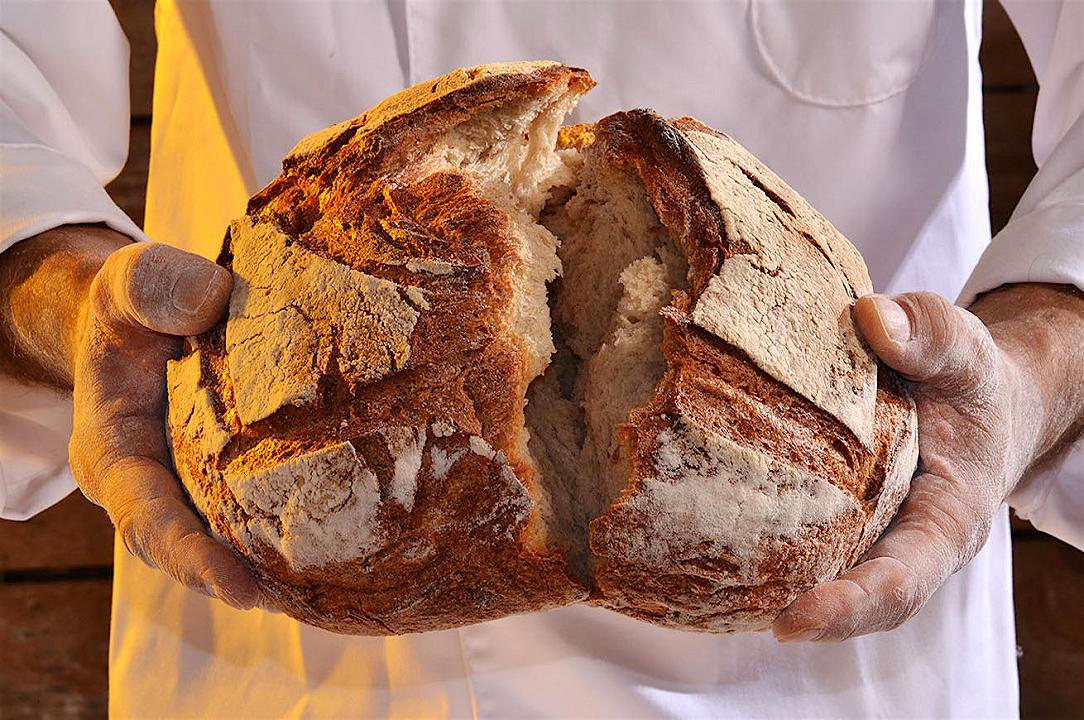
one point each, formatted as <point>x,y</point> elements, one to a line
<point>984,396</point>
<point>139,302</point>
<point>83,308</point>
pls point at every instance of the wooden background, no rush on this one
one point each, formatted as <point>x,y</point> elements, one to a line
<point>55,570</point>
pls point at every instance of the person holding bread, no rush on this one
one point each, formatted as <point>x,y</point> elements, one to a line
<point>872,111</point>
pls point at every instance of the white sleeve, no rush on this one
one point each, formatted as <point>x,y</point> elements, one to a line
<point>1044,239</point>
<point>64,120</point>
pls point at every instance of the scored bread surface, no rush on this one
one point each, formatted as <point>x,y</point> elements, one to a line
<point>748,484</point>
<point>366,385</point>
<point>355,428</point>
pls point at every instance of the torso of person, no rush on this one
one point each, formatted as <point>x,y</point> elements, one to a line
<point>871,110</point>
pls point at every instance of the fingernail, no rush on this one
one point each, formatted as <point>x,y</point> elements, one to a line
<point>807,635</point>
<point>192,287</point>
<point>894,319</point>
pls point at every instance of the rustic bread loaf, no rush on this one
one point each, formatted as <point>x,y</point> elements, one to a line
<point>396,436</point>
<point>772,451</point>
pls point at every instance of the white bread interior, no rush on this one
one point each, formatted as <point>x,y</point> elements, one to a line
<point>619,267</point>
<point>510,154</point>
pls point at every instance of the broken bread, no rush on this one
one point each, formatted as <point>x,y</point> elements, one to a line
<point>772,450</point>
<point>477,364</point>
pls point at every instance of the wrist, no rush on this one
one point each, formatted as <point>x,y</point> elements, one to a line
<point>44,287</point>
<point>1039,330</point>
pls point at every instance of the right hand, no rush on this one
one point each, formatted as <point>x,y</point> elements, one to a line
<point>144,297</point>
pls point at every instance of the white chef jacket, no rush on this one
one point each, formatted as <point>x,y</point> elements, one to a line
<point>872,110</point>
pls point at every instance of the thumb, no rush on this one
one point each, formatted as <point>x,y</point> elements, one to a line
<point>927,339</point>
<point>161,288</point>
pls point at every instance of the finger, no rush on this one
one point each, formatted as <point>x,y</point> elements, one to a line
<point>934,535</point>
<point>927,339</point>
<point>157,525</point>
<point>161,288</point>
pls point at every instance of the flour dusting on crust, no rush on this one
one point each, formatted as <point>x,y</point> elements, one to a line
<point>405,445</point>
<point>443,461</point>
<point>292,310</point>
<point>191,410</point>
<point>707,486</point>
<point>315,509</point>
<point>786,304</point>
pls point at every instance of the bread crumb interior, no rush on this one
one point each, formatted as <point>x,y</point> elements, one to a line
<point>619,267</point>
<point>596,265</point>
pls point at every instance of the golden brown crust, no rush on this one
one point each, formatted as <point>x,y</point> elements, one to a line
<point>447,535</point>
<point>576,136</point>
<point>417,468</point>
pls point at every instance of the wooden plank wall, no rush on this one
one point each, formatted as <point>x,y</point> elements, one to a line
<point>55,570</point>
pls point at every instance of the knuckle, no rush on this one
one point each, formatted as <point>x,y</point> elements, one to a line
<point>110,284</point>
<point>899,595</point>
<point>132,545</point>
<point>909,600</point>
<point>126,520</point>
<point>141,280</point>
<point>136,283</point>
<point>930,311</point>
<point>958,350</point>
<point>186,562</point>
<point>189,545</point>
<point>124,516</point>
<point>941,525</point>
<point>139,259</point>
<point>931,328</point>
<point>192,561</point>
<point>905,595</point>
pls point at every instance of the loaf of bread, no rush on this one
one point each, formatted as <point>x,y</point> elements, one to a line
<point>478,364</point>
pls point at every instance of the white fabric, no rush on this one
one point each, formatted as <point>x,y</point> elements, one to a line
<point>871,110</point>
<point>63,116</point>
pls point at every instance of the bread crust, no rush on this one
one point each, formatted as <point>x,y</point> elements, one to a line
<point>417,451</point>
<point>352,428</point>
<point>661,566</point>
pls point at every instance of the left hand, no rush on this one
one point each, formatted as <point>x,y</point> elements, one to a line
<point>980,426</point>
